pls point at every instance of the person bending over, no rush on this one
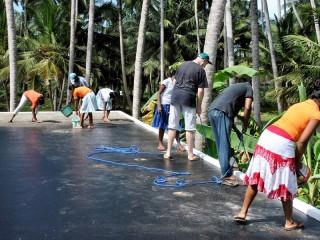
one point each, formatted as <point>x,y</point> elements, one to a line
<point>36,99</point>
<point>277,157</point>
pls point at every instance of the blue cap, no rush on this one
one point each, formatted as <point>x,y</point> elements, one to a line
<point>72,75</point>
<point>205,56</point>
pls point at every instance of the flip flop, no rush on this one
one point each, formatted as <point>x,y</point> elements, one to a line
<point>194,158</point>
<point>296,226</point>
<point>230,183</point>
<point>240,220</point>
<point>165,157</point>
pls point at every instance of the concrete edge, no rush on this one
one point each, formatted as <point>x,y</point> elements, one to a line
<point>297,204</point>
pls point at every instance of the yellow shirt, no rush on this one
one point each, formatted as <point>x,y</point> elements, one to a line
<point>80,92</point>
<point>295,120</point>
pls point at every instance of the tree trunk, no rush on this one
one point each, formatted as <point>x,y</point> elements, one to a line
<point>229,30</point>
<point>139,59</point>
<point>297,16</point>
<point>210,46</point>
<point>316,19</point>
<point>279,8</point>
<point>225,44</point>
<point>123,69</point>
<point>25,18</point>
<point>161,41</point>
<point>284,8</point>
<point>12,52</point>
<point>72,44</point>
<point>90,40</point>
<point>272,55</point>
<point>255,60</point>
<point>197,25</point>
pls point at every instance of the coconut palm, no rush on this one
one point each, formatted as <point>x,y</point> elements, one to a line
<point>255,60</point>
<point>272,55</point>
<point>139,59</point>
<point>197,24</point>
<point>229,32</point>
<point>90,40</point>
<point>72,43</point>
<point>210,47</point>
<point>316,19</point>
<point>161,41</point>
<point>12,51</point>
<point>122,56</point>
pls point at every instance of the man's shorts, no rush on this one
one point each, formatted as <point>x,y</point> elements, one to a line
<point>189,115</point>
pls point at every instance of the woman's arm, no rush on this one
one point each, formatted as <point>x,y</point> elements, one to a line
<point>304,138</point>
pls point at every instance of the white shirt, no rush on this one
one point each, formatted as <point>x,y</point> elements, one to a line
<point>104,94</point>
<point>166,94</point>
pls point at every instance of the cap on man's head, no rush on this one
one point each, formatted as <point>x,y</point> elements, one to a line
<point>72,75</point>
<point>205,56</point>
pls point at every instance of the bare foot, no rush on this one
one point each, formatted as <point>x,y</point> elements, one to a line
<point>106,120</point>
<point>34,120</point>
<point>90,126</point>
<point>78,127</point>
<point>193,158</point>
<point>10,121</point>
<point>293,226</point>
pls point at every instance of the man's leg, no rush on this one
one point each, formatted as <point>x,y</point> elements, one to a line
<point>190,141</point>
<point>172,126</point>
<point>222,131</point>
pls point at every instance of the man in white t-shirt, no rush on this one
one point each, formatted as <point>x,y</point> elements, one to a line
<point>104,98</point>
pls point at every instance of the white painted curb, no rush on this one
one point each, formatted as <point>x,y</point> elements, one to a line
<point>297,204</point>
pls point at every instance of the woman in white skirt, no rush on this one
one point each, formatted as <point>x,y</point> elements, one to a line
<point>277,156</point>
<point>88,105</point>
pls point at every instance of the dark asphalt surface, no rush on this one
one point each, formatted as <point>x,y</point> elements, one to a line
<point>50,190</point>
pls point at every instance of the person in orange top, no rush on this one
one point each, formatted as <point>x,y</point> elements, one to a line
<point>36,100</point>
<point>88,105</point>
<point>276,161</point>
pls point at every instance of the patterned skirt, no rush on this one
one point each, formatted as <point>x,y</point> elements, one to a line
<point>272,167</point>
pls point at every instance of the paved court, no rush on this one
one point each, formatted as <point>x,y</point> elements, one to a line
<point>50,190</point>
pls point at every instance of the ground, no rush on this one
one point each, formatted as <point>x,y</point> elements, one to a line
<point>51,190</point>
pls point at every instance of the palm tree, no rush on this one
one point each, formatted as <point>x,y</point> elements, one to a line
<point>255,59</point>
<point>123,69</point>
<point>197,24</point>
<point>316,19</point>
<point>279,8</point>
<point>72,43</point>
<point>229,31</point>
<point>272,55</point>
<point>139,59</point>
<point>210,46</point>
<point>297,15</point>
<point>12,52</point>
<point>90,40</point>
<point>161,41</point>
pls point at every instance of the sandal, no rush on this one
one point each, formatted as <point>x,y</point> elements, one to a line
<point>295,226</point>
<point>230,182</point>
<point>194,158</point>
<point>240,220</point>
<point>165,157</point>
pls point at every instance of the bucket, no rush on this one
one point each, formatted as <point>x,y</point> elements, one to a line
<point>75,121</point>
<point>66,111</point>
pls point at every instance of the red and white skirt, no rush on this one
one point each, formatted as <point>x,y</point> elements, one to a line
<point>272,167</point>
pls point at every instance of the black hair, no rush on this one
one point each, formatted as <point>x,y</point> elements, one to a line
<point>41,100</point>
<point>112,95</point>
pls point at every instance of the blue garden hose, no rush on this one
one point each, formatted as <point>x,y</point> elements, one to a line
<point>161,181</point>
